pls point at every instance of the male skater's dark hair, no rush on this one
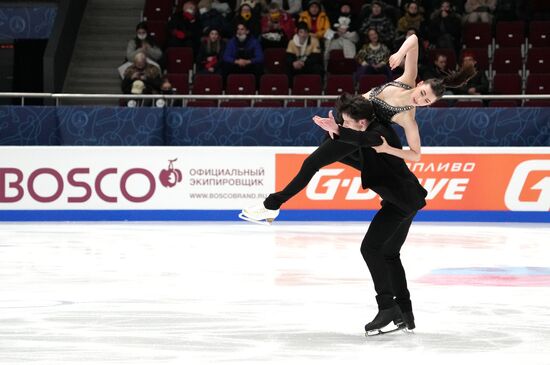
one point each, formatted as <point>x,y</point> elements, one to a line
<point>356,106</point>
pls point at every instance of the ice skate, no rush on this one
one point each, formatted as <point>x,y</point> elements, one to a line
<point>259,214</point>
<point>408,321</point>
<point>386,321</point>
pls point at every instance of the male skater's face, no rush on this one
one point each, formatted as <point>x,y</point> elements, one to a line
<point>358,125</point>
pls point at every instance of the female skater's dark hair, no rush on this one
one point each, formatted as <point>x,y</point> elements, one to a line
<point>356,106</point>
<point>452,80</point>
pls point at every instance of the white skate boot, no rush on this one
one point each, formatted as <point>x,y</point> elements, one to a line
<point>259,214</point>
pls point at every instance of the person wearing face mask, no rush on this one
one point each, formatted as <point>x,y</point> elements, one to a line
<point>184,28</point>
<point>292,7</point>
<point>209,59</point>
<point>243,54</point>
<point>144,43</point>
<point>246,15</point>
<point>277,27</point>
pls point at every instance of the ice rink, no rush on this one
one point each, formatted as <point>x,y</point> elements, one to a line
<point>239,293</point>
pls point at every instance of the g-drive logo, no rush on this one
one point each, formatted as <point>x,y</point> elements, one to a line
<point>518,184</point>
<point>15,184</point>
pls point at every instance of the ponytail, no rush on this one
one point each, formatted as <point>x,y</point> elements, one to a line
<point>453,80</point>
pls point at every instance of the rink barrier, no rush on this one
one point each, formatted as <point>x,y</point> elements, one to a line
<point>214,183</point>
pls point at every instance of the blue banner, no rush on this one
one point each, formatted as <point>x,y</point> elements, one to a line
<point>120,126</point>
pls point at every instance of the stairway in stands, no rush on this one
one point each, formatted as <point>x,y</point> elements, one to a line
<point>100,48</point>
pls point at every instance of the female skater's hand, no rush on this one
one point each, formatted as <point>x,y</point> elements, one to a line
<point>328,124</point>
<point>383,148</point>
<point>396,59</point>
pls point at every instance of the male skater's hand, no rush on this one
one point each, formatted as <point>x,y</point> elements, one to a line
<point>328,124</point>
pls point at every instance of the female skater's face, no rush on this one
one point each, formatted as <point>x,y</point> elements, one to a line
<point>358,125</point>
<point>422,95</point>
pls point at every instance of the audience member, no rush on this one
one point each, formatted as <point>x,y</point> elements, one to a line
<point>304,53</point>
<point>377,20</point>
<point>277,27</point>
<point>209,59</point>
<point>316,19</point>
<point>243,54</point>
<point>210,18</point>
<point>479,11</point>
<point>141,77</point>
<point>251,19</point>
<point>438,69</point>
<point>445,28</point>
<point>342,38</point>
<point>184,29</point>
<point>411,19</point>
<point>292,7</point>
<point>144,43</point>
<point>478,84</point>
<point>373,57</point>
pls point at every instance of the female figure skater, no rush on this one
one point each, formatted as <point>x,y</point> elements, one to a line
<point>393,102</point>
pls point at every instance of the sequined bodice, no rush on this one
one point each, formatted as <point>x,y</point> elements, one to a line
<point>384,111</point>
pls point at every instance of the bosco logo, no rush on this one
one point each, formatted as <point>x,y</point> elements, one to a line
<point>171,176</point>
<point>519,182</point>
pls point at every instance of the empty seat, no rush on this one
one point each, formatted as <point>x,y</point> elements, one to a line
<point>367,82</point>
<point>206,85</point>
<point>240,84</point>
<point>539,33</point>
<point>179,82</point>
<point>157,30</point>
<point>158,10</point>
<point>510,33</point>
<point>179,60</point>
<point>507,60</point>
<point>272,84</point>
<point>477,35</point>
<point>503,103</point>
<point>338,84</point>
<point>338,64</point>
<point>538,60</point>
<point>235,104</point>
<point>306,85</point>
<point>275,60</point>
<point>538,84</point>
<point>507,83</point>
<point>439,104</point>
<point>537,103</point>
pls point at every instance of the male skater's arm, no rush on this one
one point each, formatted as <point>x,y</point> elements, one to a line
<point>358,138</point>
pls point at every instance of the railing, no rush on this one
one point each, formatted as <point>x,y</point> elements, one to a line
<point>61,96</point>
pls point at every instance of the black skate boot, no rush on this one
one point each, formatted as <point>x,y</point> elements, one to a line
<point>408,319</point>
<point>379,325</point>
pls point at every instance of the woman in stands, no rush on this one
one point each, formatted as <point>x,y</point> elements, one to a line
<point>393,102</point>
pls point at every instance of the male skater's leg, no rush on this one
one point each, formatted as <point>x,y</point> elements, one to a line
<point>328,152</point>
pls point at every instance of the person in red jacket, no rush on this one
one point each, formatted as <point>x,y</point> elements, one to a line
<point>277,27</point>
<point>184,28</point>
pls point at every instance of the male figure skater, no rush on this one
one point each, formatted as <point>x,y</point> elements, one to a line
<point>401,193</point>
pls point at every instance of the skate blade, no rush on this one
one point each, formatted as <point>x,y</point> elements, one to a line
<point>266,222</point>
<point>386,330</point>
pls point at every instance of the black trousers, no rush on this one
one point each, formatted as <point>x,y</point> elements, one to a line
<point>386,234</point>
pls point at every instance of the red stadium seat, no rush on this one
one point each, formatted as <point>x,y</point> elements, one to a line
<point>538,60</point>
<point>477,35</point>
<point>157,30</point>
<point>158,10</point>
<point>539,33</point>
<point>240,84</point>
<point>543,103</point>
<point>507,83</point>
<point>275,60</point>
<point>510,33</point>
<point>338,64</point>
<point>206,85</point>
<point>507,60</point>
<point>272,84</point>
<point>306,85</point>
<point>440,104</point>
<point>503,103</point>
<point>538,84</point>
<point>179,82</point>
<point>367,82</point>
<point>235,104</point>
<point>338,84</point>
<point>179,60</point>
